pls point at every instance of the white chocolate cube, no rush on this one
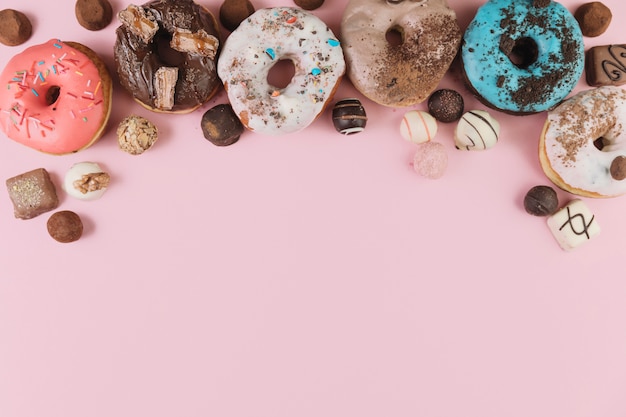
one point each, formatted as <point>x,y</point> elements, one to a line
<point>573,225</point>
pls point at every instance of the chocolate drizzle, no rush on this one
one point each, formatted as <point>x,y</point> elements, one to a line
<point>616,68</point>
<point>138,61</point>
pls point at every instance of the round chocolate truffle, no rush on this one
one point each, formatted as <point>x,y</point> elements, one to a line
<point>15,27</point>
<point>65,226</point>
<point>594,18</point>
<point>221,126</point>
<point>349,116</point>
<point>309,4</point>
<point>233,12</point>
<point>93,14</point>
<point>541,200</point>
<point>446,105</point>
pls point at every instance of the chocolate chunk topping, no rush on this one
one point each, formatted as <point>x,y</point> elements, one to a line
<point>618,168</point>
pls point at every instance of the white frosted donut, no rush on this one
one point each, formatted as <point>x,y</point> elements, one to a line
<point>582,148</point>
<point>262,40</point>
<point>403,71</point>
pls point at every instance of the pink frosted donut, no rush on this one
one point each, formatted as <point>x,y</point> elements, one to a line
<point>55,97</point>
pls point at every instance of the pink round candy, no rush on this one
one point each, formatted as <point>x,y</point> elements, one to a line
<point>430,160</point>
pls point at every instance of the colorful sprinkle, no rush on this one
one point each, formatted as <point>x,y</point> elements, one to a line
<point>271,53</point>
<point>333,42</point>
<point>57,45</point>
<point>292,20</point>
<point>316,71</point>
<point>34,92</point>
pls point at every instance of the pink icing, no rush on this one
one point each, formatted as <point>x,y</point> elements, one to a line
<point>71,122</point>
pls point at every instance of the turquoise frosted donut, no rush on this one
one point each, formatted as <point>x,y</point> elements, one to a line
<point>523,56</point>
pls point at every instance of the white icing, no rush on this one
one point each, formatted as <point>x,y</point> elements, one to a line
<point>260,41</point>
<point>573,126</point>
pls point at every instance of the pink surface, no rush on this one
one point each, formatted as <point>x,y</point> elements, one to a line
<point>306,275</point>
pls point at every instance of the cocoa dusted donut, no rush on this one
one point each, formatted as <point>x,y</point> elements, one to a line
<point>165,54</point>
<point>397,51</point>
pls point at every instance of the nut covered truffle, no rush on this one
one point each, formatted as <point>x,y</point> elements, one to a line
<point>136,135</point>
<point>15,27</point>
<point>93,14</point>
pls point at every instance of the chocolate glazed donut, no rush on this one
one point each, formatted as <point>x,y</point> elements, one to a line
<point>165,54</point>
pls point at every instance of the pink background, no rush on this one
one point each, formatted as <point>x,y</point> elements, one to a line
<point>307,275</point>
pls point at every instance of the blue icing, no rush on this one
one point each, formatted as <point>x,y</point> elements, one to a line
<point>271,53</point>
<point>532,88</point>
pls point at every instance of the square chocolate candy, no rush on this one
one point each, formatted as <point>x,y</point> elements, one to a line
<point>606,65</point>
<point>32,193</point>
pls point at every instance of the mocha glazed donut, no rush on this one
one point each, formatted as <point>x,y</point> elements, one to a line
<point>522,56</point>
<point>260,41</point>
<point>55,97</point>
<point>165,54</point>
<point>582,148</point>
<point>404,71</point>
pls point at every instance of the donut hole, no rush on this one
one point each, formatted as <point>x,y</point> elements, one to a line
<point>169,56</point>
<point>524,53</point>
<point>395,36</point>
<point>281,73</point>
<point>52,95</point>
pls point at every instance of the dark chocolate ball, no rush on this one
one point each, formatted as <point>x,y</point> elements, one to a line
<point>15,27</point>
<point>221,126</point>
<point>65,226</point>
<point>93,14</point>
<point>233,12</point>
<point>309,4</point>
<point>541,200</point>
<point>446,105</point>
<point>594,18</point>
<point>349,116</point>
